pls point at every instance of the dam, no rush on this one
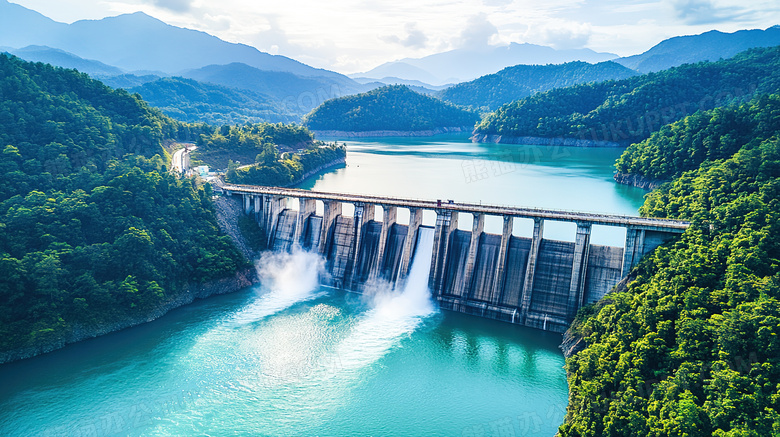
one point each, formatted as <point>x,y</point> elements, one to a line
<point>534,282</point>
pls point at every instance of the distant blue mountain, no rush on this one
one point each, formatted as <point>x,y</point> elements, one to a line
<point>135,50</point>
<point>137,42</point>
<point>297,94</point>
<point>415,85</point>
<point>520,81</point>
<point>708,46</point>
<point>64,59</point>
<point>466,64</point>
<point>22,27</point>
<point>128,81</point>
<point>193,101</point>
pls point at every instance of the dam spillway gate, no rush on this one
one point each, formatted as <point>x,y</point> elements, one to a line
<point>535,282</point>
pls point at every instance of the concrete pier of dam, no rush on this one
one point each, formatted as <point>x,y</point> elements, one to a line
<point>532,281</point>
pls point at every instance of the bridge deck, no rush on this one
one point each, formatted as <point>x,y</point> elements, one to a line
<point>646,223</point>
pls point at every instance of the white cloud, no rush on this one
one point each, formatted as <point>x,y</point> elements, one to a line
<point>563,36</point>
<point>500,3</point>
<point>174,5</point>
<point>706,12</point>
<point>355,35</point>
<point>479,32</point>
<point>415,38</point>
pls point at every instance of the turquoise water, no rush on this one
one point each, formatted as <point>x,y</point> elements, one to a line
<point>451,167</point>
<point>282,359</point>
<point>288,357</point>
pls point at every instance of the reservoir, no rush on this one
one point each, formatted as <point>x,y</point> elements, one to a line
<point>451,167</point>
<point>289,357</point>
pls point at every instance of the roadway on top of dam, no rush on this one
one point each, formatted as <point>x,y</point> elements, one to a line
<point>667,225</point>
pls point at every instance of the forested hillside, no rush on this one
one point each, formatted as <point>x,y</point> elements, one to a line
<point>218,145</point>
<point>692,346</point>
<point>294,94</point>
<point>394,108</point>
<point>197,102</point>
<point>252,155</point>
<point>272,170</point>
<point>702,137</point>
<point>93,228</point>
<point>630,110</point>
<point>513,83</point>
<point>708,46</point>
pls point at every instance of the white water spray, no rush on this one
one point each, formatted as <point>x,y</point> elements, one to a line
<point>286,278</point>
<point>393,313</point>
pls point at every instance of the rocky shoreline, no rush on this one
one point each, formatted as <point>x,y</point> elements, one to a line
<point>571,344</point>
<point>323,167</point>
<point>638,181</point>
<point>390,133</point>
<point>542,141</point>
<point>229,209</point>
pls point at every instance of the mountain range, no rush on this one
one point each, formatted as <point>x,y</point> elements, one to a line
<point>513,83</point>
<point>133,50</point>
<point>61,58</point>
<point>298,94</point>
<point>192,101</point>
<point>461,65</point>
<point>465,64</point>
<point>708,46</point>
<point>630,110</point>
<point>137,42</point>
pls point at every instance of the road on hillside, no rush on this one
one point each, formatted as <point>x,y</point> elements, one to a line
<point>177,161</point>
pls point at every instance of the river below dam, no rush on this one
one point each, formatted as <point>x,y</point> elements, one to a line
<point>289,357</point>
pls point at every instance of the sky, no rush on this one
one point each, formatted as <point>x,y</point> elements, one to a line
<point>351,36</point>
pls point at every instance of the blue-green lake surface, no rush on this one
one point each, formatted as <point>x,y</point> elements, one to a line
<point>262,362</point>
<point>451,167</point>
<point>288,357</point>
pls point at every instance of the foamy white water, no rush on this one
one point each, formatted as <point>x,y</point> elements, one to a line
<point>394,312</point>
<point>287,279</point>
<point>191,373</point>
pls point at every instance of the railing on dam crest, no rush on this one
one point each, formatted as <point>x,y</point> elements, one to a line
<point>530,281</point>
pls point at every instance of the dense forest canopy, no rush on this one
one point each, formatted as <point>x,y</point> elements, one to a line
<point>218,145</point>
<point>692,346</point>
<point>489,92</point>
<point>271,169</point>
<point>252,154</point>
<point>394,108</point>
<point>705,136</point>
<point>191,101</point>
<point>93,228</point>
<point>630,110</point>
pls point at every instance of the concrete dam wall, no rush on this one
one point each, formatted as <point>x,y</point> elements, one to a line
<point>535,282</point>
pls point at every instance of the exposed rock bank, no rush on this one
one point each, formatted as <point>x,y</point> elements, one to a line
<point>571,344</point>
<point>541,141</point>
<point>638,181</point>
<point>333,164</point>
<point>229,209</point>
<point>389,133</point>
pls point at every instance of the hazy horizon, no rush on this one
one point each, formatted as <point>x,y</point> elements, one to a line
<point>351,37</point>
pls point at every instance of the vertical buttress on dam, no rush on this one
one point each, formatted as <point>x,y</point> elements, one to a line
<point>532,281</point>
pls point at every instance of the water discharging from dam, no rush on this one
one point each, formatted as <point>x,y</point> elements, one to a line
<point>290,357</point>
<point>393,312</point>
<point>278,359</point>
<point>288,278</point>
